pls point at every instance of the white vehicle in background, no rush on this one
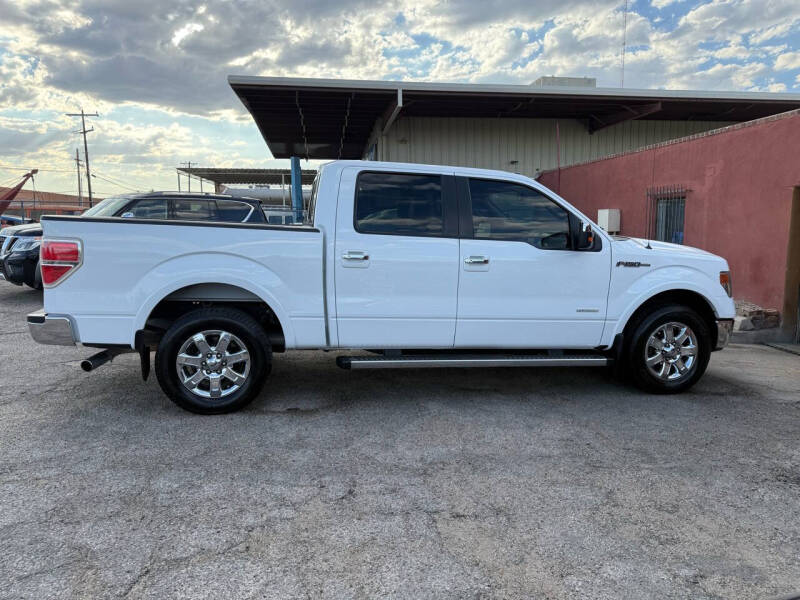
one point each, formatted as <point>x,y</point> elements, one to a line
<point>425,266</point>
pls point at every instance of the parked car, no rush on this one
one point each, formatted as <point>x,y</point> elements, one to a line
<point>19,263</point>
<point>180,206</point>
<point>12,220</point>
<point>24,238</point>
<point>425,266</point>
<point>19,254</point>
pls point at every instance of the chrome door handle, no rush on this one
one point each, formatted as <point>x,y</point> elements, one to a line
<point>476,260</point>
<point>355,256</point>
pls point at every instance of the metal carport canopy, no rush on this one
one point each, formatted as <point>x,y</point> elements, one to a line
<point>334,118</point>
<point>247,176</point>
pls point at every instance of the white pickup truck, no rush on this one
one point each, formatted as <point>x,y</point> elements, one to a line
<point>423,266</point>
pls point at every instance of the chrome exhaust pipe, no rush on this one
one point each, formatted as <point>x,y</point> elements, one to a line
<point>101,358</point>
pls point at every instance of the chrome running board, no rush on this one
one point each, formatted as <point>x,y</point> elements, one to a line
<point>469,360</point>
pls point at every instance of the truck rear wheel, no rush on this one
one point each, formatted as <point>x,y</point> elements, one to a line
<point>669,350</point>
<point>213,360</point>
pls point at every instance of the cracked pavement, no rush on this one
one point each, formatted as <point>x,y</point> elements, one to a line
<point>518,483</point>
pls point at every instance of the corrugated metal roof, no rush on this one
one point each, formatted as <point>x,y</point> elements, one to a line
<point>329,118</point>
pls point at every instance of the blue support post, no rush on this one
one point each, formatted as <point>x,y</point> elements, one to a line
<point>297,189</point>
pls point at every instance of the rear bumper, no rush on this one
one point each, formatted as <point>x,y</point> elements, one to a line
<point>724,331</point>
<point>52,331</point>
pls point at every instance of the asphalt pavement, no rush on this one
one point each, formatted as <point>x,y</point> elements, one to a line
<point>499,483</point>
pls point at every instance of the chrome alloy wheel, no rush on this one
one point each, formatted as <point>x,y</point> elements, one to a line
<point>671,351</point>
<point>213,364</point>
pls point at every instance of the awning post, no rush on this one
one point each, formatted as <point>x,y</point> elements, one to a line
<point>297,189</point>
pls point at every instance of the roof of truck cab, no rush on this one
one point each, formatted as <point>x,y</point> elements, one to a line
<point>372,165</point>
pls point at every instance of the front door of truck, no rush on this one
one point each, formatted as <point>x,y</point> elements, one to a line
<point>396,259</point>
<point>522,285</point>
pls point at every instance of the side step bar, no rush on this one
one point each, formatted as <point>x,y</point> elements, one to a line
<point>468,360</point>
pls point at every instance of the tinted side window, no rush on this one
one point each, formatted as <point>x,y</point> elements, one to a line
<point>190,209</point>
<point>232,211</point>
<point>151,208</point>
<point>399,204</point>
<point>509,211</point>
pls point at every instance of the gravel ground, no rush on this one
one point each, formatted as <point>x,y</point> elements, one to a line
<point>539,483</point>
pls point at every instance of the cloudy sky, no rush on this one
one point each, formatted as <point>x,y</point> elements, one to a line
<point>156,71</point>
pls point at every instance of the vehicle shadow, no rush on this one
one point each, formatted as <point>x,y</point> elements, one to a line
<point>307,383</point>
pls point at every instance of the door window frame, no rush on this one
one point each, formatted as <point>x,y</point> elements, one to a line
<point>251,209</point>
<point>131,206</point>
<point>466,225</point>
<point>450,207</point>
<point>212,210</point>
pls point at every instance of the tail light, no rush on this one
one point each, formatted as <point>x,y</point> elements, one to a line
<point>59,258</point>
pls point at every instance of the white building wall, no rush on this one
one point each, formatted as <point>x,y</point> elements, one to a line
<point>496,143</point>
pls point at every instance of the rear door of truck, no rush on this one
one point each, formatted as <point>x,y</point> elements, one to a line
<point>396,259</point>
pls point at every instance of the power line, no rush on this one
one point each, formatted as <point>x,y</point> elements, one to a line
<point>9,180</point>
<point>23,168</point>
<point>68,170</point>
<point>119,180</point>
<point>84,131</point>
<point>114,182</point>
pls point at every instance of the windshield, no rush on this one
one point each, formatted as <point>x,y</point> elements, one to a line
<point>107,207</point>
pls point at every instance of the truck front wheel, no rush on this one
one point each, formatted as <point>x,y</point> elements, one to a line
<point>669,350</point>
<point>213,360</point>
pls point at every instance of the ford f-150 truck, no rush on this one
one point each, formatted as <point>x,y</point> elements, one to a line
<point>422,266</point>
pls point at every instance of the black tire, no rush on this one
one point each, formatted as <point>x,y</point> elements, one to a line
<point>636,356</point>
<point>231,320</point>
<point>37,278</point>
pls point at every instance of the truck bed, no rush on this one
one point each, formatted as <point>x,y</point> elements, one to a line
<point>130,265</point>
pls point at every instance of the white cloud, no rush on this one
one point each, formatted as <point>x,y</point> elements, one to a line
<point>787,61</point>
<point>167,61</point>
<point>661,4</point>
<point>185,31</point>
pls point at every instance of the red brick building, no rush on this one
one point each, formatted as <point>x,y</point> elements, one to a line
<point>733,191</point>
<point>34,204</point>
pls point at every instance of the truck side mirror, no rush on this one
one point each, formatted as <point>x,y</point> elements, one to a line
<point>585,237</point>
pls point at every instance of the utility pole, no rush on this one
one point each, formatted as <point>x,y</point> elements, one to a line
<point>80,187</point>
<point>188,175</point>
<point>84,131</point>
